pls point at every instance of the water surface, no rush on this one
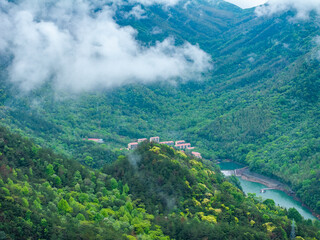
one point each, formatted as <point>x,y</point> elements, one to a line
<point>280,198</point>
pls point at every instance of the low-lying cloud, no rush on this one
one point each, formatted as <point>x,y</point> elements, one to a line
<point>136,12</point>
<point>316,53</point>
<point>159,2</point>
<point>302,7</point>
<point>78,48</point>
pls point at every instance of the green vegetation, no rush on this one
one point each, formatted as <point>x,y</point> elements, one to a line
<point>46,196</point>
<point>155,193</point>
<point>259,105</point>
<point>191,199</point>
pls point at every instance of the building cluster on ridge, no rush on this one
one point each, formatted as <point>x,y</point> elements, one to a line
<point>181,145</point>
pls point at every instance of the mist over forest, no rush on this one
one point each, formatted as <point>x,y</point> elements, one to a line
<point>82,79</point>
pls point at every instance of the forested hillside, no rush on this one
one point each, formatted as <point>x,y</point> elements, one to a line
<point>154,193</point>
<point>47,196</point>
<point>258,105</point>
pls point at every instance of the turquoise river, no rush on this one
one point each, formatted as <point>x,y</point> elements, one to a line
<point>280,198</point>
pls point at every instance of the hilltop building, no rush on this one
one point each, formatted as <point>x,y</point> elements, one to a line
<point>180,142</point>
<point>181,145</point>
<point>133,145</point>
<point>169,143</point>
<point>196,154</point>
<point>155,139</point>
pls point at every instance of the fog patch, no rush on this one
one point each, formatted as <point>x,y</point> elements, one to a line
<point>77,46</point>
<point>316,53</point>
<point>159,2</point>
<point>170,201</point>
<point>303,8</point>
<point>136,12</point>
<point>134,160</point>
<point>156,30</point>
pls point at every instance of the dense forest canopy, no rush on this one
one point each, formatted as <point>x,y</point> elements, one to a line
<point>153,193</point>
<point>248,90</point>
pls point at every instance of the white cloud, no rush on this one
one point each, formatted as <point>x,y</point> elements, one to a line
<point>317,51</point>
<point>247,3</point>
<point>302,7</point>
<point>185,6</point>
<point>156,30</point>
<point>136,12</point>
<point>251,59</point>
<point>77,49</point>
<point>165,3</point>
<point>152,2</point>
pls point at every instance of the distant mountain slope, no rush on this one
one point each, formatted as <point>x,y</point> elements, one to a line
<point>195,21</point>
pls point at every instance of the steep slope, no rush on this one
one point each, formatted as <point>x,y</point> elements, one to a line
<point>192,200</point>
<point>200,21</point>
<point>46,196</point>
<point>259,105</point>
<point>272,122</point>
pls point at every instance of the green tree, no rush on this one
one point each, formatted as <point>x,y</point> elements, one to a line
<point>57,181</point>
<point>88,160</point>
<point>3,235</point>
<point>113,183</point>
<point>49,170</point>
<point>64,207</point>
<point>80,217</point>
<point>294,214</point>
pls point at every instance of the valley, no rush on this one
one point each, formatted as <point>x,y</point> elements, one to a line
<point>88,79</point>
<point>260,185</point>
<point>263,113</point>
<point>154,193</point>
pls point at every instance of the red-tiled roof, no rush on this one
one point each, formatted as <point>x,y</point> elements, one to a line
<point>183,144</point>
<point>142,139</point>
<point>197,154</point>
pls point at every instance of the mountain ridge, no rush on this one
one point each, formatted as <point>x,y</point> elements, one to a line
<point>45,195</point>
<point>259,105</point>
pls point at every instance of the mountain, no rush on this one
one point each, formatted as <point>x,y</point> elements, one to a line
<point>47,196</point>
<point>259,105</point>
<point>154,193</point>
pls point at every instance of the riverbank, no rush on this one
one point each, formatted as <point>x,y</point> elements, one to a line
<point>247,175</point>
